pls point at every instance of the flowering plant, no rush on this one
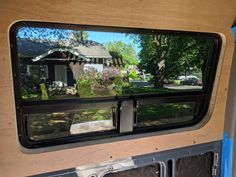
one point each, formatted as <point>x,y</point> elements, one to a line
<point>109,73</point>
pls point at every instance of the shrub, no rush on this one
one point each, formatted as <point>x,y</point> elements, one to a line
<point>134,75</point>
<point>84,87</point>
<point>109,74</point>
<point>29,94</point>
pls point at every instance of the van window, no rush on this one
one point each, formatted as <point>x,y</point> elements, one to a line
<point>78,83</point>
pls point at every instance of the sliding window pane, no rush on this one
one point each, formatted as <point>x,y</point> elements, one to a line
<point>165,114</point>
<point>62,124</point>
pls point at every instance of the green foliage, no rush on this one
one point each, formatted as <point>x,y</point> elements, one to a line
<point>34,73</point>
<point>118,80</point>
<point>176,82</point>
<point>132,89</point>
<point>165,113</point>
<point>119,84</point>
<point>92,115</point>
<point>44,91</point>
<point>29,95</point>
<point>126,51</point>
<point>84,87</point>
<point>168,56</point>
<point>63,37</point>
<point>133,75</point>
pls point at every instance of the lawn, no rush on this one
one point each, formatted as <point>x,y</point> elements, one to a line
<point>166,113</point>
<point>132,90</point>
<point>100,92</point>
<point>46,126</point>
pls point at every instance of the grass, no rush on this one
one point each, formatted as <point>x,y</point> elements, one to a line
<point>144,90</point>
<point>86,89</point>
<point>92,115</point>
<point>47,126</point>
<point>165,113</point>
<point>102,92</point>
<point>31,96</point>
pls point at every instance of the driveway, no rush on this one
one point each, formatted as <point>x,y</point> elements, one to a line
<point>183,87</point>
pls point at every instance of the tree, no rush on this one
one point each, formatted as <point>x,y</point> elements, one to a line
<point>152,56</point>
<point>62,37</point>
<point>187,54</point>
<point>77,37</point>
<point>167,56</point>
<point>125,51</point>
<point>43,34</point>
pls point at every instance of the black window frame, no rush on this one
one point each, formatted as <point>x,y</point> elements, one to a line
<point>26,107</point>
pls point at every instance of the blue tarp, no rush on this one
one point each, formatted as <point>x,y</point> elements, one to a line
<point>227,156</point>
<point>234,30</point>
<point>227,146</point>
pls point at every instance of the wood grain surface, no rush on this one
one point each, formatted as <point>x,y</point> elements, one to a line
<point>189,15</point>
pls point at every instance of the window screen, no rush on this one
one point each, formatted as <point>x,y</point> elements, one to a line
<point>129,79</point>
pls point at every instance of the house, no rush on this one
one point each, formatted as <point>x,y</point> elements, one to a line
<point>50,61</point>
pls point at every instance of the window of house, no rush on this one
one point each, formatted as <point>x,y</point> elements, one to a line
<point>78,83</point>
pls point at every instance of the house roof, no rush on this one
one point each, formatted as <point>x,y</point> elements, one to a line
<point>31,49</point>
<point>86,52</point>
<point>38,50</point>
<point>92,49</point>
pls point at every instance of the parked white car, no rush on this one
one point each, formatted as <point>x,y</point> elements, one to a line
<point>187,77</point>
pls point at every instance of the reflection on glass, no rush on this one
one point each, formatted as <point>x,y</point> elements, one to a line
<point>62,124</point>
<point>59,63</point>
<point>166,113</point>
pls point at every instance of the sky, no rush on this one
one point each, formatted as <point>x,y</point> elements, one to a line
<point>104,37</point>
<point>100,37</point>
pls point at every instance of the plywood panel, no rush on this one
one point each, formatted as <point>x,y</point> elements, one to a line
<point>188,15</point>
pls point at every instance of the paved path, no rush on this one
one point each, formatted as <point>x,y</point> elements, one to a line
<point>183,87</point>
<point>91,126</point>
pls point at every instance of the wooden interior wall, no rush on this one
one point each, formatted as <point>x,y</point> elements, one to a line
<point>188,15</point>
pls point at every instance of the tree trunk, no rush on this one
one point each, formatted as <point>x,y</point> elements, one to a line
<point>158,79</point>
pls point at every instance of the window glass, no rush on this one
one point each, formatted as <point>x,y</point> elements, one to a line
<point>164,114</point>
<point>60,63</point>
<point>62,124</point>
<point>77,83</point>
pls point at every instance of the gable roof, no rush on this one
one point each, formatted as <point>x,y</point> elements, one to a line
<point>92,49</point>
<point>38,50</point>
<point>31,49</point>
